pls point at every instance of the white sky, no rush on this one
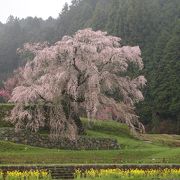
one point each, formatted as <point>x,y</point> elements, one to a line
<point>24,8</point>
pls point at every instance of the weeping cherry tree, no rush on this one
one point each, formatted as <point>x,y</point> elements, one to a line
<point>79,71</point>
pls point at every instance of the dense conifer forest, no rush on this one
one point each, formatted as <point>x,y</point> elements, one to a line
<point>153,25</point>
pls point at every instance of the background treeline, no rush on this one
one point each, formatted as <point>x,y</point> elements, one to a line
<point>154,25</point>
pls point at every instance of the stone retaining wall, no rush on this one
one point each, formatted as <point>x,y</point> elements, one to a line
<point>34,139</point>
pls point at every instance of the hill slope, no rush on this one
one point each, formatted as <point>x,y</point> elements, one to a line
<point>132,150</point>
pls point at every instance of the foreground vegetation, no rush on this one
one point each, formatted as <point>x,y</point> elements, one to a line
<point>28,175</point>
<point>128,174</point>
<point>150,149</point>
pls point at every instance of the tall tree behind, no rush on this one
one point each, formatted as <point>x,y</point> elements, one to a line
<point>11,37</point>
<point>166,82</point>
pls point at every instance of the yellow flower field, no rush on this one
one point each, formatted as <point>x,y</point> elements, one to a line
<point>129,174</point>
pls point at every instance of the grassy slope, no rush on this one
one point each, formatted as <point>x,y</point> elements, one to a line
<point>150,149</point>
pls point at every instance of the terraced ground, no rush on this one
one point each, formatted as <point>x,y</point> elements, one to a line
<point>146,149</point>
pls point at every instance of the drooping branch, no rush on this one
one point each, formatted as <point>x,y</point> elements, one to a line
<point>44,99</point>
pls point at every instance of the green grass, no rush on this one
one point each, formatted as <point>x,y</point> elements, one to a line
<point>147,150</point>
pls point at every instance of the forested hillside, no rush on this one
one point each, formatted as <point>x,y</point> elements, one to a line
<point>154,25</point>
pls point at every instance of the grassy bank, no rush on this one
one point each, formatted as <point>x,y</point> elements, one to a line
<point>149,149</point>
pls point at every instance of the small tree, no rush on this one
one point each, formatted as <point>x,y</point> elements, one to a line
<point>4,94</point>
<point>83,70</point>
<point>9,85</point>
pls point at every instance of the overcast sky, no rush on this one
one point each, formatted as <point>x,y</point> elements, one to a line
<point>24,8</point>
